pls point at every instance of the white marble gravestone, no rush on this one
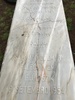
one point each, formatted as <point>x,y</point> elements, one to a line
<point>38,63</point>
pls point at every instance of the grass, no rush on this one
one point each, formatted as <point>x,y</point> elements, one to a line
<point>1,19</point>
<point>2,24</point>
<point>5,36</point>
<point>1,56</point>
<point>72,6</point>
<point>69,23</point>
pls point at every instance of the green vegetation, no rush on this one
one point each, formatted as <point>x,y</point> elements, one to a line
<point>72,6</point>
<point>69,23</point>
<point>5,36</point>
<point>2,24</point>
<point>1,19</point>
<point>1,56</point>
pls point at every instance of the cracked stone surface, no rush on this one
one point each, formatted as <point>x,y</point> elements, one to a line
<point>38,62</point>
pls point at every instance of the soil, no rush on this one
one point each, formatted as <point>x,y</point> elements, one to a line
<point>6,14</point>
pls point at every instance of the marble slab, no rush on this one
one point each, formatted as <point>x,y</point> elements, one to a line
<point>38,62</point>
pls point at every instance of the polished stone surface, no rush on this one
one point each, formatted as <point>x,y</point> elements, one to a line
<point>38,63</point>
